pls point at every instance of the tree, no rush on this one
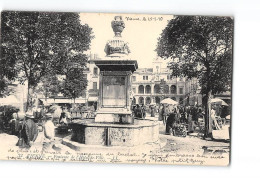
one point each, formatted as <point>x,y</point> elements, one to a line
<point>35,44</point>
<point>75,84</point>
<point>50,85</point>
<point>7,73</point>
<point>4,90</point>
<point>200,47</point>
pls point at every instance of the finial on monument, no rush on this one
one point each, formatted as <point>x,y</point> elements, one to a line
<point>118,25</point>
<point>117,47</point>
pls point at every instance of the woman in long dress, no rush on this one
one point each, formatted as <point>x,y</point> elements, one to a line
<point>160,113</point>
<point>28,132</point>
<point>214,119</point>
<point>152,111</point>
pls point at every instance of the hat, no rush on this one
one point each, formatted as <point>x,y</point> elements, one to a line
<point>29,115</point>
<point>48,115</point>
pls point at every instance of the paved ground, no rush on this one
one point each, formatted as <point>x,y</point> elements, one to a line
<point>190,143</point>
<point>167,144</point>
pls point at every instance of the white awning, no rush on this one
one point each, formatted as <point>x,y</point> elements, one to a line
<point>92,98</point>
<point>62,100</point>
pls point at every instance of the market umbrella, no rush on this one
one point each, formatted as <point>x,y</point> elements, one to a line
<point>220,101</point>
<point>169,101</point>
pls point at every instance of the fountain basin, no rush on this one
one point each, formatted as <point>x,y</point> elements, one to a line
<point>90,132</point>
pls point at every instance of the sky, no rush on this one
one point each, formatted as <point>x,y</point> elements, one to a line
<point>141,32</point>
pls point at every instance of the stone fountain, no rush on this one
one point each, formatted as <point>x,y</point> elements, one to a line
<point>114,124</point>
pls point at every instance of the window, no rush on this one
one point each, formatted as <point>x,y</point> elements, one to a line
<point>141,89</point>
<point>166,89</point>
<point>148,89</point>
<point>141,100</point>
<point>147,100</point>
<point>145,77</point>
<point>133,78</point>
<point>134,90</point>
<point>180,90</point>
<point>94,85</point>
<point>156,89</point>
<point>95,71</point>
<point>173,89</point>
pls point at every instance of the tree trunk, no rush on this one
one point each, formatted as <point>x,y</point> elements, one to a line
<point>207,100</point>
<point>207,131</point>
<point>46,96</point>
<point>29,97</point>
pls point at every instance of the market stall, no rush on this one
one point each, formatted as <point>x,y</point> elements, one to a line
<point>220,129</point>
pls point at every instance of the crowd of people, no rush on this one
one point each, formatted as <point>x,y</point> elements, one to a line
<point>42,119</point>
<point>181,120</point>
<point>62,116</point>
<point>139,111</point>
<point>178,120</point>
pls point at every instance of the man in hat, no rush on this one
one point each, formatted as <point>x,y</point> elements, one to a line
<point>28,132</point>
<point>49,133</point>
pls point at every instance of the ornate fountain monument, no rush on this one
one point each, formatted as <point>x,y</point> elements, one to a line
<point>115,82</point>
<point>114,124</point>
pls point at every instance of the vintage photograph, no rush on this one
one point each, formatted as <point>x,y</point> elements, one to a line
<point>116,88</point>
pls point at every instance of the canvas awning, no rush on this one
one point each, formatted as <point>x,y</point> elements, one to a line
<point>92,98</point>
<point>63,101</point>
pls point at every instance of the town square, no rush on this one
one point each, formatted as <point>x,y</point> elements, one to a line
<point>116,88</point>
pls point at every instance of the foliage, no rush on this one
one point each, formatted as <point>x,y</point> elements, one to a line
<point>37,44</point>
<point>8,108</point>
<point>200,47</point>
<point>7,111</point>
<point>4,90</point>
<point>75,84</point>
<point>49,86</point>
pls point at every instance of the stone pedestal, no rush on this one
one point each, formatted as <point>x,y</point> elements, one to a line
<point>114,105</point>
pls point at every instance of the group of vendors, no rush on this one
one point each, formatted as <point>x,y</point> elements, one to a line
<point>192,118</point>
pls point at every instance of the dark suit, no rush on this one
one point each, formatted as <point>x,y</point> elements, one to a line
<point>170,121</point>
<point>29,132</point>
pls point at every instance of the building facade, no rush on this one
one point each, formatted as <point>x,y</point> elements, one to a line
<point>151,85</point>
<point>146,84</point>
<point>92,72</point>
<point>192,95</point>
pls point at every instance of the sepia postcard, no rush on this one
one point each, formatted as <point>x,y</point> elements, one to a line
<point>116,88</point>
